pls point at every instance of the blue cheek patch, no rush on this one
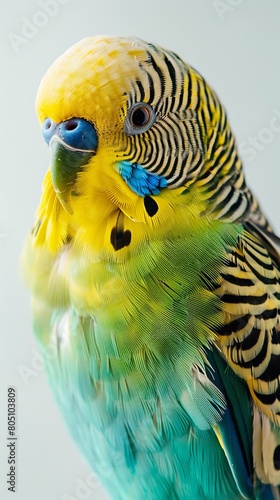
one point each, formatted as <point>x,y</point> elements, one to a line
<point>139,180</point>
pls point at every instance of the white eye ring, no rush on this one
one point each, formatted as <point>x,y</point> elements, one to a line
<point>139,119</point>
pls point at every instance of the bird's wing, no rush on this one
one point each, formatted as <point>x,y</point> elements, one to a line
<point>250,336</point>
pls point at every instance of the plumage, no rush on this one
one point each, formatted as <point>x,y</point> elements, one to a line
<point>155,279</point>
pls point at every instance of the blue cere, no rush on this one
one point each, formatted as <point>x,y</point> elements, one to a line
<point>77,133</point>
<point>140,180</point>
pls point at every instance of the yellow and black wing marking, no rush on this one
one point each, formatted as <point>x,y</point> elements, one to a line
<point>250,336</point>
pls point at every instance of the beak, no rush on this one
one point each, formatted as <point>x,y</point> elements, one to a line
<point>65,165</point>
<point>72,144</point>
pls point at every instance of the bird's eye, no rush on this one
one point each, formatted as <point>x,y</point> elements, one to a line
<point>140,118</point>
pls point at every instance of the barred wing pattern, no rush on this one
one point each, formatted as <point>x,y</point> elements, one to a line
<point>250,339</point>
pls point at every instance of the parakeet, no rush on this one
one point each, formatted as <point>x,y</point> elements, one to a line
<point>155,279</point>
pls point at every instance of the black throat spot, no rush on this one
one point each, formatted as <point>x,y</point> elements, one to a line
<point>151,206</point>
<point>276,458</point>
<point>120,238</point>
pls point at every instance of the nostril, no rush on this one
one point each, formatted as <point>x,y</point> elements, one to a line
<point>78,133</point>
<point>48,129</point>
<point>71,124</point>
<point>47,124</point>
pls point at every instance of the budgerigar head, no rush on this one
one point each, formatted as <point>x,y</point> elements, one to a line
<point>130,128</point>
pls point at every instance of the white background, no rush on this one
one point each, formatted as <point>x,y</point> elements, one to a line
<point>235,45</point>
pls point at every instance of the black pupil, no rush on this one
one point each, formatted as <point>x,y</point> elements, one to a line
<point>140,117</point>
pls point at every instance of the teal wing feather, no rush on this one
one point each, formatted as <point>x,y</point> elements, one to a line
<point>236,429</point>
